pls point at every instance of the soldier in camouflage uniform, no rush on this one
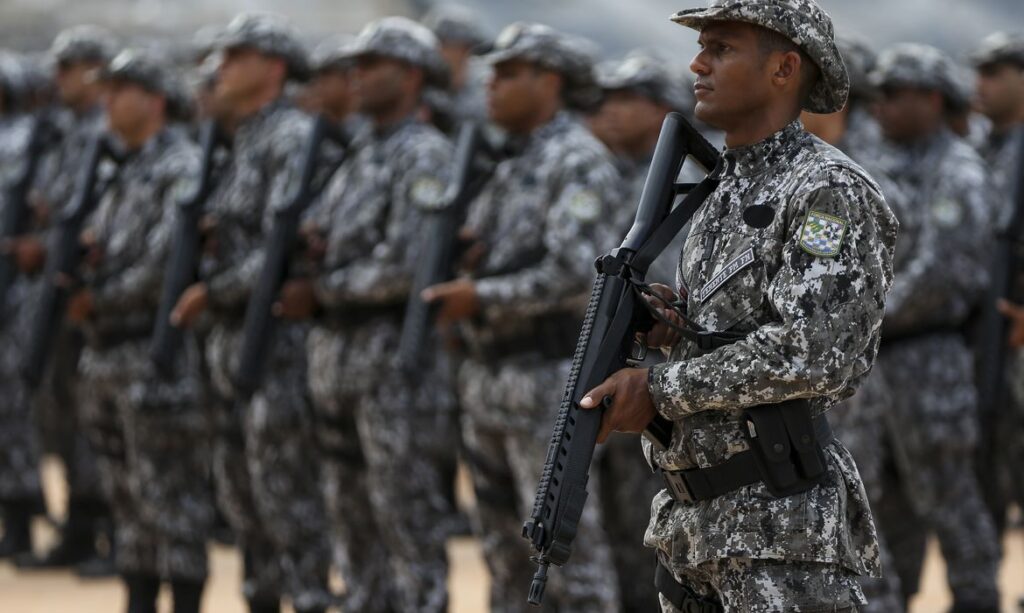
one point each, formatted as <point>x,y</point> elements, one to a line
<point>265,460</point>
<point>537,227</point>
<point>462,37</point>
<point>79,53</point>
<point>933,413</point>
<point>379,425</point>
<point>804,281</point>
<point>147,432</point>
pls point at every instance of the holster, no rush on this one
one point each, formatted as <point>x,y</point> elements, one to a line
<point>788,445</point>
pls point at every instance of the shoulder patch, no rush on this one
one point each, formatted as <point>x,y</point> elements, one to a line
<point>585,206</point>
<point>948,213</point>
<point>822,234</point>
<point>427,192</point>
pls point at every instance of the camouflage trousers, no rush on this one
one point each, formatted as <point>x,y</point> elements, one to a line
<point>628,482</point>
<point>508,411</point>
<point>151,453</point>
<point>266,472</point>
<point>743,585</point>
<point>932,424</point>
<point>19,451</point>
<point>384,437</point>
<point>859,423</point>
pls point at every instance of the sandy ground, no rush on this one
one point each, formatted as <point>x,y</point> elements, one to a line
<point>60,592</point>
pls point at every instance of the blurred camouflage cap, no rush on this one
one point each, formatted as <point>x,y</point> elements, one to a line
<point>641,73</point>
<point>801,21</point>
<point>146,70</point>
<point>268,34</point>
<point>14,84</point>
<point>405,40</point>
<point>571,56</point>
<point>83,43</point>
<point>998,48</point>
<point>204,42</point>
<point>860,60</point>
<point>334,53</point>
<point>454,23</point>
<point>920,66</point>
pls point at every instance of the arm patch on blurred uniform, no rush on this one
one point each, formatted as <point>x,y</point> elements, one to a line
<point>822,235</point>
<point>427,193</point>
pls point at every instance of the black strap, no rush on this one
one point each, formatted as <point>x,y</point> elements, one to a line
<point>674,222</point>
<point>682,597</point>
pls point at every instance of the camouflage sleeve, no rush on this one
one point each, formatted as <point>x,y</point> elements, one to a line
<point>946,275</point>
<point>384,275</point>
<point>576,231</point>
<point>138,285</point>
<point>829,311</point>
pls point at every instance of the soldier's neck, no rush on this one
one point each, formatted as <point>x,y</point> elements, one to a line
<point>256,103</point>
<point>1003,125</point>
<point>752,128</point>
<point>395,114</point>
<point>136,139</point>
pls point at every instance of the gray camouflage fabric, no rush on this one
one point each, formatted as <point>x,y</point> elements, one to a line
<point>860,59</point>
<point>403,39</point>
<point>648,76</point>
<point>84,43</point>
<point>543,218</point>
<point>148,433</point>
<point>1000,47</point>
<point>386,433</point>
<point>265,458</point>
<point>932,419</point>
<point>455,24</point>
<point>269,34</point>
<point>802,21</point>
<point>917,65</point>
<point>800,279</point>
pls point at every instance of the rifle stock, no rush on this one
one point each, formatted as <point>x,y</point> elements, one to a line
<point>613,317</point>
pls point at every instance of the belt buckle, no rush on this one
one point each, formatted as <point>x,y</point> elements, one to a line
<point>677,486</point>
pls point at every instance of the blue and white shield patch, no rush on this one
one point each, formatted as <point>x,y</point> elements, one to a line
<point>822,234</point>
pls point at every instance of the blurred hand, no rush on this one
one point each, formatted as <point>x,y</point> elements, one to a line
<point>458,300</point>
<point>29,253</point>
<point>1015,313</point>
<point>80,306</point>
<point>474,250</point>
<point>297,300</point>
<point>190,306</point>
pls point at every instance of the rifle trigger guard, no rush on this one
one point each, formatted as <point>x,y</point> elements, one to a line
<point>613,266</point>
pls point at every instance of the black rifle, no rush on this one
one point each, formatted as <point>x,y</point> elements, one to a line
<point>64,257</point>
<point>183,264</point>
<point>617,312</point>
<point>473,167</point>
<point>17,212</point>
<point>279,248</point>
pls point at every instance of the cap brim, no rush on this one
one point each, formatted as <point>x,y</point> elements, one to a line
<point>502,55</point>
<point>697,19</point>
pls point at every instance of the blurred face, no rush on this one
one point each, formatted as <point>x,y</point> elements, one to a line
<point>245,73</point>
<point>907,114</point>
<point>130,108</point>
<point>456,55</point>
<point>331,91</point>
<point>1000,94</point>
<point>76,82</point>
<point>380,84</point>
<point>517,92</point>
<point>733,78</point>
<point>632,118</point>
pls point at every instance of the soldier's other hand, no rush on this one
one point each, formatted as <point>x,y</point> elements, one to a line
<point>1015,313</point>
<point>40,208</point>
<point>29,254</point>
<point>190,306</point>
<point>80,306</point>
<point>664,335</point>
<point>93,250</point>
<point>473,250</point>
<point>458,300</point>
<point>297,301</point>
<point>629,407</point>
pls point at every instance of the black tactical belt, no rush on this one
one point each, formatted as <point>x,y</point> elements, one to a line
<point>697,484</point>
<point>681,596</point>
<point>889,340</point>
<point>355,316</point>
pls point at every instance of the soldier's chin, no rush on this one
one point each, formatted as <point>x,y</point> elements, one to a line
<point>706,113</point>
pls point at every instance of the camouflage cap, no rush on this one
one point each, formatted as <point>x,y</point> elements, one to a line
<point>334,53</point>
<point>570,56</point>
<point>641,73</point>
<point>13,81</point>
<point>860,60</point>
<point>83,43</point>
<point>920,66</point>
<point>998,48</point>
<point>268,34</point>
<point>405,40</point>
<point>454,23</point>
<point>801,21</point>
<point>147,71</point>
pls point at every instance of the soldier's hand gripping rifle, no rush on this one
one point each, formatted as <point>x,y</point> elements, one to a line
<point>65,256</point>
<point>617,312</point>
<point>473,167</point>
<point>186,249</point>
<point>279,248</point>
<point>17,213</point>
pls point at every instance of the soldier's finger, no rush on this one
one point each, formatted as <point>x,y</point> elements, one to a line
<point>595,397</point>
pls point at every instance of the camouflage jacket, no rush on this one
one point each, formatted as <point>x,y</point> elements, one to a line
<point>544,217</point>
<point>809,293</point>
<point>1001,154</point>
<point>57,176</point>
<point>945,248</point>
<point>132,227</point>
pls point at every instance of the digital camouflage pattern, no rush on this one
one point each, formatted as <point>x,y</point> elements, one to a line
<point>802,21</point>
<point>403,39</point>
<point>647,76</point>
<point>400,425</point>
<point>786,300</point>
<point>543,220</point>
<point>456,24</point>
<point>135,421</point>
<point>264,450</point>
<point>269,34</point>
<point>917,65</point>
<point>84,43</point>
<point>1000,47</point>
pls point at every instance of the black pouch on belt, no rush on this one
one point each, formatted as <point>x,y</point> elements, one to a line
<point>787,445</point>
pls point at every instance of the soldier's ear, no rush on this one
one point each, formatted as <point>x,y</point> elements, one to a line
<point>787,67</point>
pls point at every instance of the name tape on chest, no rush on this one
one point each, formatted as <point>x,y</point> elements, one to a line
<point>822,235</point>
<point>731,270</point>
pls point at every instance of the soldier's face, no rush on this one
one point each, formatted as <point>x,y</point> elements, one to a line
<point>332,90</point>
<point>909,113</point>
<point>734,80</point>
<point>517,92</point>
<point>632,118</point>
<point>129,107</point>
<point>379,83</point>
<point>76,80</point>
<point>244,73</point>
<point>1001,91</point>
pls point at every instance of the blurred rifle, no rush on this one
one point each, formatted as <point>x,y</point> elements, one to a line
<point>473,166</point>
<point>64,257</point>
<point>616,314</point>
<point>279,248</point>
<point>183,264</point>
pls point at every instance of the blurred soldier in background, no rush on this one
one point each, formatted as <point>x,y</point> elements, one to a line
<point>933,415</point>
<point>265,461</point>
<point>536,229</point>
<point>330,88</point>
<point>462,37</point>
